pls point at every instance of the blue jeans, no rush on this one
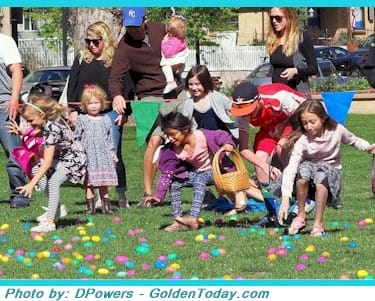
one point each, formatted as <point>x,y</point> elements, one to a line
<point>15,174</point>
<point>117,140</point>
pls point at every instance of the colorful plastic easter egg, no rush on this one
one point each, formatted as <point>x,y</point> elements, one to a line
<point>310,248</point>
<point>121,274</point>
<point>145,266</point>
<point>199,238</point>
<point>38,237</point>
<point>322,259</point>
<point>369,221</point>
<point>95,238</point>
<point>352,244</point>
<point>325,254</point>
<point>103,271</point>
<point>362,223</point>
<point>272,257</point>
<point>179,243</point>
<point>300,267</point>
<point>172,256</point>
<point>116,220</point>
<point>362,273</point>
<point>35,276</point>
<point>4,227</point>
<point>142,250</point>
<point>204,256</point>
<point>344,239</point>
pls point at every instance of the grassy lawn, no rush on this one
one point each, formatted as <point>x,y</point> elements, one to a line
<point>133,245</point>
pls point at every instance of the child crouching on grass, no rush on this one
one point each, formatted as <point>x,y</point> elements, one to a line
<point>315,156</point>
<point>63,158</point>
<point>186,161</point>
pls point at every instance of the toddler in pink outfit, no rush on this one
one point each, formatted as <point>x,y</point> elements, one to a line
<point>174,51</point>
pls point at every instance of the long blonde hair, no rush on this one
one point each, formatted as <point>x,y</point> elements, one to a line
<point>292,33</point>
<point>100,30</point>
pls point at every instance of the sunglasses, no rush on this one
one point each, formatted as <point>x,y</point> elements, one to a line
<point>96,42</point>
<point>278,19</point>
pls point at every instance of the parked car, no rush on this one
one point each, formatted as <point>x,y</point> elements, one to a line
<point>346,63</point>
<point>364,48</point>
<point>263,73</point>
<point>56,76</point>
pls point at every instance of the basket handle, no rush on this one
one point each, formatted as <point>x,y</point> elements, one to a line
<point>237,159</point>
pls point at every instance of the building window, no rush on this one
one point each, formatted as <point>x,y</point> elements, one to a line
<point>28,23</point>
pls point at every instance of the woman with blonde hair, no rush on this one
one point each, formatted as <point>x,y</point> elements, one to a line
<point>92,66</point>
<point>290,49</point>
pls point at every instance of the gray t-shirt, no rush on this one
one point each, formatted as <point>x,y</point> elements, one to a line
<point>9,55</point>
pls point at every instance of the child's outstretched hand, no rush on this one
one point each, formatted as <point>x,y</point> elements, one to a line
<point>371,149</point>
<point>151,201</point>
<point>26,190</point>
<point>13,127</point>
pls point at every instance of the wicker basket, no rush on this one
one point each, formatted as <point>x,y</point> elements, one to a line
<point>232,181</point>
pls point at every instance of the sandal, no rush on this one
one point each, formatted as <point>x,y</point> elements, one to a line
<point>297,225</point>
<point>317,231</point>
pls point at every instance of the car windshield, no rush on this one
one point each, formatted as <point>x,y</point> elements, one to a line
<point>45,75</point>
<point>370,41</point>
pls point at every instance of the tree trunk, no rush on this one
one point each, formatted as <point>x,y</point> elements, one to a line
<point>81,18</point>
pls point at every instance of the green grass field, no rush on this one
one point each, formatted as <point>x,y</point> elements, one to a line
<point>96,247</point>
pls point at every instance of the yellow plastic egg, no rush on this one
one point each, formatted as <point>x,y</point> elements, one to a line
<point>227,277</point>
<point>38,238</point>
<point>201,220</point>
<point>35,276</point>
<point>4,259</point>
<point>175,265</point>
<point>82,232</point>
<point>97,256</point>
<point>4,227</point>
<point>362,273</point>
<point>199,237</point>
<point>96,238</point>
<point>325,254</point>
<point>344,239</point>
<point>90,224</point>
<point>66,260</point>
<point>211,236</point>
<point>39,255</point>
<point>79,257</point>
<point>103,271</point>
<point>79,228</point>
<point>46,254</point>
<point>86,238</point>
<point>369,221</point>
<point>272,257</point>
<point>310,248</point>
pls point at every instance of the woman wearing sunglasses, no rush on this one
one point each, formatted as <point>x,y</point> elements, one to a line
<point>290,49</point>
<point>92,66</point>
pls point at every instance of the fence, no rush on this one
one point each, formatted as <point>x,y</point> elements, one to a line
<point>37,53</point>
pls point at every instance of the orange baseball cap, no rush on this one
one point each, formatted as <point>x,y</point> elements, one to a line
<point>245,97</point>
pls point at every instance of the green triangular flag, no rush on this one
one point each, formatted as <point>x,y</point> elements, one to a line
<point>145,113</point>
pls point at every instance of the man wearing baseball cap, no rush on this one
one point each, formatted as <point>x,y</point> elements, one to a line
<point>139,54</point>
<point>267,107</point>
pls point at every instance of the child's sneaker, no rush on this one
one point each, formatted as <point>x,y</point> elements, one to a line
<point>44,227</point>
<point>170,87</point>
<point>61,212</point>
